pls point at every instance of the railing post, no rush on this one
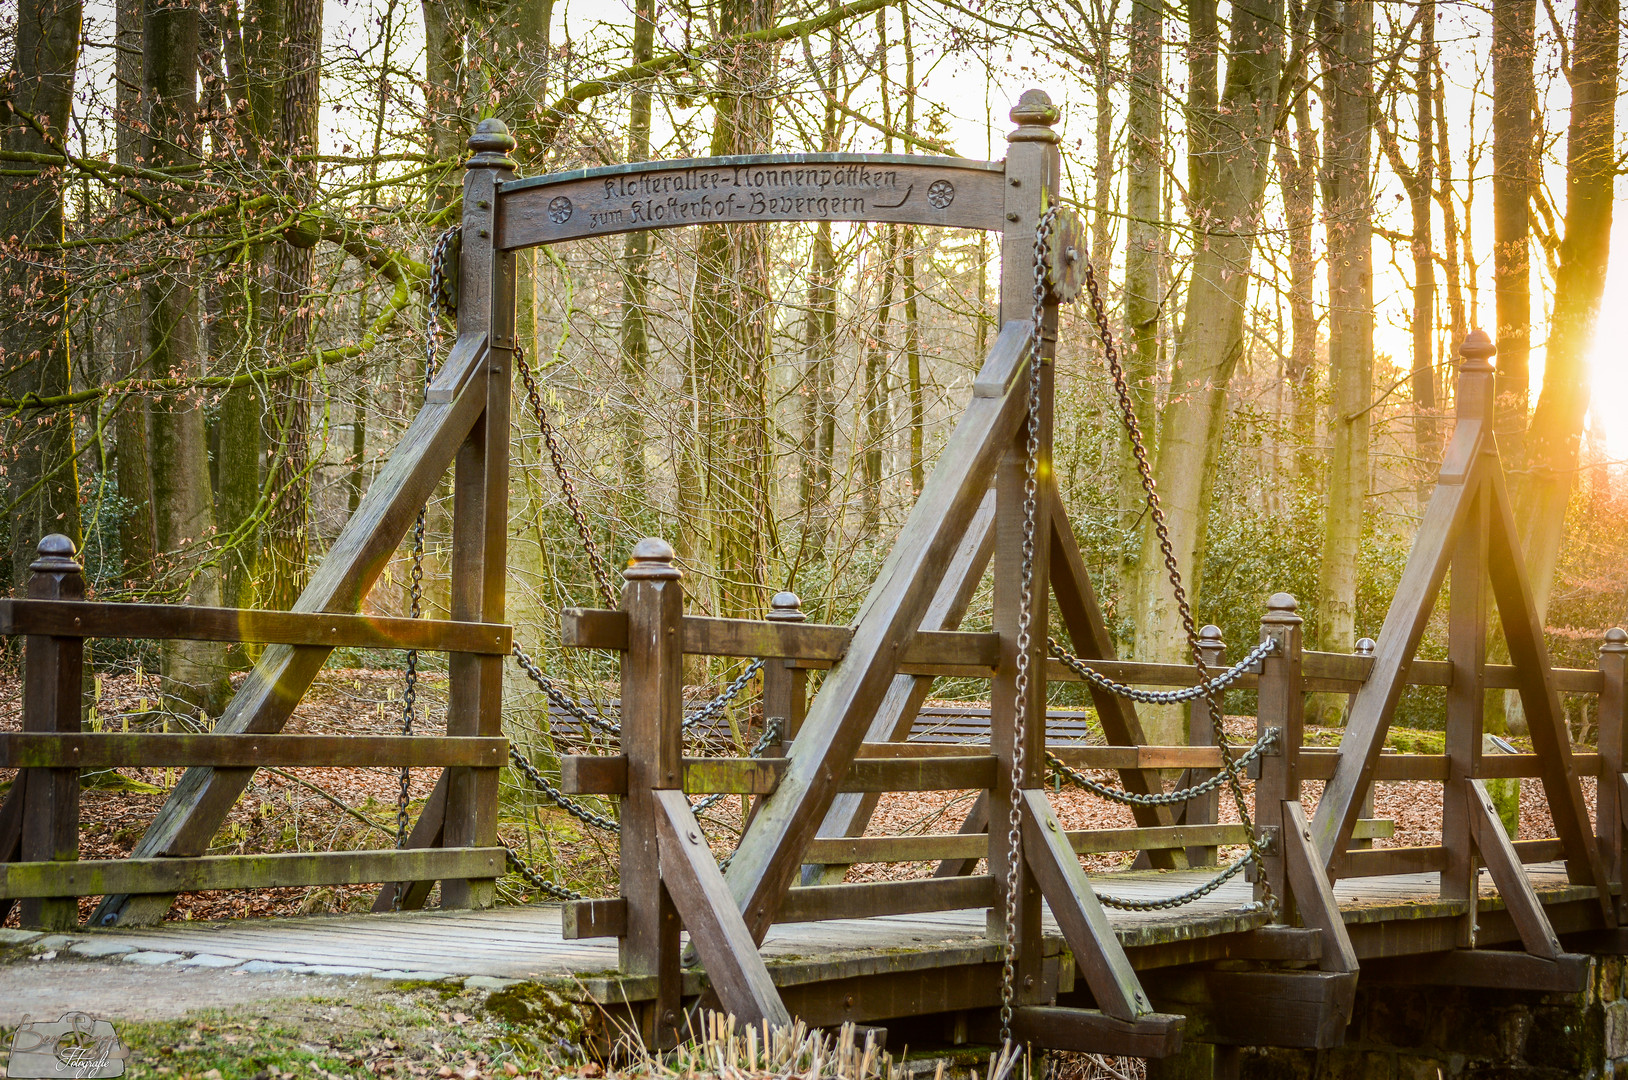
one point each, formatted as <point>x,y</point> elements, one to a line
<point>785,686</point>
<point>1282,706</point>
<point>1365,647</point>
<point>1613,720</point>
<point>480,507</point>
<point>53,672</point>
<point>652,739</point>
<point>1203,809</point>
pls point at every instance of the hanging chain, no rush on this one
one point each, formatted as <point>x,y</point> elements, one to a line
<point>557,453</point>
<point>1020,710</point>
<point>610,727</point>
<point>537,880</point>
<point>1161,530</point>
<point>1164,697</point>
<point>1181,899</point>
<point>558,797</point>
<point>409,692</point>
<point>1241,763</point>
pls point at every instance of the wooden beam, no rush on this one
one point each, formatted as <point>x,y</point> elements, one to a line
<point>201,800</point>
<point>821,903</point>
<point>1313,895</point>
<point>1295,1009</point>
<point>25,750</point>
<point>1537,935</point>
<point>1494,969</point>
<point>582,919</point>
<point>583,775</point>
<point>771,848</point>
<point>1375,702</point>
<point>99,877</point>
<point>11,831</point>
<point>1545,719</point>
<point>1089,1031</point>
<point>690,872</point>
<point>972,846</point>
<point>178,622</point>
<point>1079,914</point>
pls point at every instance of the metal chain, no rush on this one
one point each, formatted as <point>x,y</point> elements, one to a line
<point>550,688</point>
<point>567,485</point>
<point>409,692</point>
<point>560,798</point>
<point>1031,473</point>
<point>1168,798</point>
<point>1182,898</point>
<point>536,880</point>
<point>1164,697</point>
<point>1161,530</point>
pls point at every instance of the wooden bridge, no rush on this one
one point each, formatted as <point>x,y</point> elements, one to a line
<point>1271,956</point>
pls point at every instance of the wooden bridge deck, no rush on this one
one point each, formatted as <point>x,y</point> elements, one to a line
<point>525,943</point>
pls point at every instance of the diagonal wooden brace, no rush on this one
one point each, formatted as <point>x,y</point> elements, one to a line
<point>738,974</point>
<point>1537,934</point>
<point>1078,913</point>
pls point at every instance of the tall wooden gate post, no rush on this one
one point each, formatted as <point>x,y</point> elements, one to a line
<point>785,685</point>
<point>1282,705</point>
<point>1609,812</point>
<point>652,739</point>
<point>1033,167</point>
<point>480,510</point>
<point>52,685</point>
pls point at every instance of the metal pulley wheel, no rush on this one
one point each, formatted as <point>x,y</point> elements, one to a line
<point>1065,262</point>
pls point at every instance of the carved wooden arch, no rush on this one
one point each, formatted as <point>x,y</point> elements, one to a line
<point>892,189</point>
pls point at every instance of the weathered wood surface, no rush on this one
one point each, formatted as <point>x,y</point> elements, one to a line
<point>100,877</point>
<point>22,750</point>
<point>330,630</point>
<point>760,776</point>
<point>906,190</point>
<point>203,797</point>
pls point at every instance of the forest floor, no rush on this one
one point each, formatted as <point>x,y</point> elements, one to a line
<point>339,809</point>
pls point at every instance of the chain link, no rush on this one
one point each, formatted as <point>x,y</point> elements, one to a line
<point>560,798</point>
<point>1170,798</point>
<point>535,879</point>
<point>1020,709</point>
<point>610,727</point>
<point>1181,899</point>
<point>1164,697</point>
<point>567,485</point>
<point>1161,531</point>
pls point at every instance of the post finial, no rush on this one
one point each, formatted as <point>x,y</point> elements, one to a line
<point>1366,646</point>
<point>1281,608</point>
<point>491,144</point>
<point>56,556</point>
<point>1616,640</point>
<point>1210,634</point>
<point>652,561</point>
<point>786,607</point>
<point>1035,116</point>
<point>1476,351</point>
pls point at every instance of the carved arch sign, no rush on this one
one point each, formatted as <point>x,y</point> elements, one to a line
<point>891,188</point>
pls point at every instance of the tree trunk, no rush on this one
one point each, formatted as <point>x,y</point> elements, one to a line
<point>1346,31</point>
<point>1557,424</point>
<point>636,273</point>
<point>183,510</point>
<point>1297,173</point>
<point>1230,136</point>
<point>819,405</point>
<point>1144,254</point>
<point>41,474</point>
<point>1514,170</point>
<point>731,335</point>
<point>874,402</point>
<point>1426,432</point>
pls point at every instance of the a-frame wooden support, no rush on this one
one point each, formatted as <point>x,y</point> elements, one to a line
<point>464,423</point>
<point>1468,526</point>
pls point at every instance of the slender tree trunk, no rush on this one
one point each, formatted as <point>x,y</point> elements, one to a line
<point>183,509</point>
<point>41,474</point>
<point>1347,33</point>
<point>1230,137</point>
<point>1144,251</point>
<point>1557,424</point>
<point>731,335</point>
<point>819,406</point>
<point>1297,173</point>
<point>1457,321</point>
<point>133,464</point>
<point>636,273</point>
<point>1514,170</point>
<point>874,404</point>
<point>1426,431</point>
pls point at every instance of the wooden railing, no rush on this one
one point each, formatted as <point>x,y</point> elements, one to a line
<point>39,821</point>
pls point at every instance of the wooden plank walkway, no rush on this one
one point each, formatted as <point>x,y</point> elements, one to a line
<point>525,943</point>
